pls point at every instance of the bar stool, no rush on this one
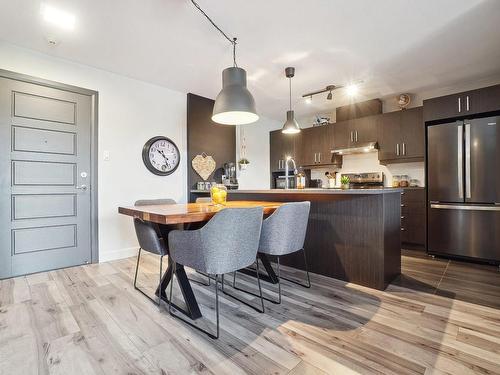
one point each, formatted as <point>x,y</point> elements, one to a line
<point>283,233</point>
<point>228,242</point>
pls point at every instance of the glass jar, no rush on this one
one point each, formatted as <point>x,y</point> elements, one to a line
<point>405,181</point>
<point>218,194</point>
<point>396,181</point>
<point>300,181</point>
<point>414,182</point>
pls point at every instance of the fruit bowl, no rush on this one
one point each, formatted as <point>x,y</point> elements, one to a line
<point>218,194</point>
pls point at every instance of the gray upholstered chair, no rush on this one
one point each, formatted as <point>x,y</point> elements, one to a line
<point>228,242</point>
<point>284,233</point>
<point>203,200</point>
<point>151,239</point>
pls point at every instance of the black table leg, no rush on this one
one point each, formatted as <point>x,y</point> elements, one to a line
<point>193,310</point>
<point>271,276</point>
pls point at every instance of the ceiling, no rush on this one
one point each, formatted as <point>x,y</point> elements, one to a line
<point>394,46</point>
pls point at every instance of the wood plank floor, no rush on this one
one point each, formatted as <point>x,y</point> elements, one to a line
<point>90,320</point>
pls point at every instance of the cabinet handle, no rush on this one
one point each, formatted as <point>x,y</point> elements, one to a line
<point>467,103</point>
<point>402,217</point>
<point>403,205</point>
<point>397,149</point>
<point>319,157</point>
<point>404,148</point>
<point>356,135</point>
<point>352,137</point>
<point>403,229</point>
<point>315,158</point>
<point>459,105</point>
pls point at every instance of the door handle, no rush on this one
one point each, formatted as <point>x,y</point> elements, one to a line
<point>465,207</point>
<point>460,167</point>
<point>467,161</point>
<point>81,187</point>
<point>459,105</point>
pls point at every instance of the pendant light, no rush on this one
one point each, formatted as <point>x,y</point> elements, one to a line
<point>234,105</point>
<point>291,126</point>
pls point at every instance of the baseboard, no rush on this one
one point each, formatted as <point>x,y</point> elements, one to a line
<point>106,256</point>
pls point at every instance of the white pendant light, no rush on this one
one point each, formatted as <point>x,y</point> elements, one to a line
<point>291,126</point>
<point>234,105</point>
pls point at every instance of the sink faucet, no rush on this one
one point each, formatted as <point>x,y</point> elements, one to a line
<point>288,159</point>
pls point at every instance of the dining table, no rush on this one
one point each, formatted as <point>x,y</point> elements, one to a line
<point>190,216</point>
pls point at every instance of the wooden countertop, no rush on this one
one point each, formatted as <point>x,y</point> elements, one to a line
<point>190,212</point>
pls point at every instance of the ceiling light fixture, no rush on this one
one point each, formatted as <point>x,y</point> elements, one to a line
<point>234,105</point>
<point>352,90</point>
<point>58,17</point>
<point>309,99</point>
<point>291,126</point>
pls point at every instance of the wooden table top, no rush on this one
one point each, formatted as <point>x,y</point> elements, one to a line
<point>190,212</point>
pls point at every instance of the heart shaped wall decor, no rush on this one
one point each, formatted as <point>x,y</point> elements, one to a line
<point>204,165</point>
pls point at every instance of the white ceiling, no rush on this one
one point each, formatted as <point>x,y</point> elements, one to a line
<point>392,45</point>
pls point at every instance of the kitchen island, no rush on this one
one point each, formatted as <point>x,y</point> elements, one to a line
<point>352,235</point>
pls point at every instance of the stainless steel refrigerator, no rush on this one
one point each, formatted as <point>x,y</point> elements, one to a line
<point>463,179</point>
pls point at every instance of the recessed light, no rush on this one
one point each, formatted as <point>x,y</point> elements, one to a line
<point>58,17</point>
<point>351,89</point>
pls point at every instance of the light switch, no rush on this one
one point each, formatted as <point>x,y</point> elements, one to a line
<point>105,154</point>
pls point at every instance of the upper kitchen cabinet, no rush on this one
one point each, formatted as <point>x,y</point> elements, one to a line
<point>463,104</point>
<point>342,134</point>
<point>401,136</point>
<point>363,129</point>
<point>281,146</point>
<point>316,145</point>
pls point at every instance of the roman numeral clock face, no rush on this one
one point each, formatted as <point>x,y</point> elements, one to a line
<point>161,156</point>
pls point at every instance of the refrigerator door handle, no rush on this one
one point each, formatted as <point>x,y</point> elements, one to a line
<point>460,176</point>
<point>465,207</point>
<point>467,161</point>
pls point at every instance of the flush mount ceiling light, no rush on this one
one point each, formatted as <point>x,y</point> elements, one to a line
<point>234,105</point>
<point>291,126</point>
<point>58,17</point>
<point>351,90</point>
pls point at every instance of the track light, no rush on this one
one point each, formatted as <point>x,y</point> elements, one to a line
<point>352,89</point>
<point>329,96</point>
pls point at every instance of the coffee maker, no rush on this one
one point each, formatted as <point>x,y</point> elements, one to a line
<point>229,179</point>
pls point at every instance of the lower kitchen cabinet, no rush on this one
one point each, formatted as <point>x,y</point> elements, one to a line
<point>413,224</point>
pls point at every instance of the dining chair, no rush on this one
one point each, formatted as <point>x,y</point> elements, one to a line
<point>228,242</point>
<point>283,233</point>
<point>151,239</point>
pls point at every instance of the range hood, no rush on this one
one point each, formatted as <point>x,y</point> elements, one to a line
<point>360,148</point>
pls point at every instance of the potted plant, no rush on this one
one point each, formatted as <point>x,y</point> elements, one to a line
<point>243,162</point>
<point>344,182</point>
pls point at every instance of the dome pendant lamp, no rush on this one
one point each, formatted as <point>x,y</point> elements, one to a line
<point>291,126</point>
<point>234,105</point>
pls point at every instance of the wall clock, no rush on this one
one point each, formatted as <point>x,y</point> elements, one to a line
<point>161,156</point>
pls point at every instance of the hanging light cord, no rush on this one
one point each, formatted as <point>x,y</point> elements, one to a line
<point>232,41</point>
<point>290,81</point>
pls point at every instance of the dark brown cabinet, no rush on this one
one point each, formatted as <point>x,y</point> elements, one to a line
<point>350,133</point>
<point>413,218</point>
<point>316,146</point>
<point>462,104</point>
<point>401,136</point>
<point>281,146</point>
<point>341,134</point>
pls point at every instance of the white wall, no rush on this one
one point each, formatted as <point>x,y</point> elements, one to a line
<point>369,163</point>
<point>256,135</point>
<point>130,112</point>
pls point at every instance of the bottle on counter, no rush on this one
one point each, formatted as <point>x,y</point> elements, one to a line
<point>300,180</point>
<point>405,181</point>
<point>396,180</point>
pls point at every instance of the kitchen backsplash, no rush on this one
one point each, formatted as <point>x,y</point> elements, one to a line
<point>369,163</point>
